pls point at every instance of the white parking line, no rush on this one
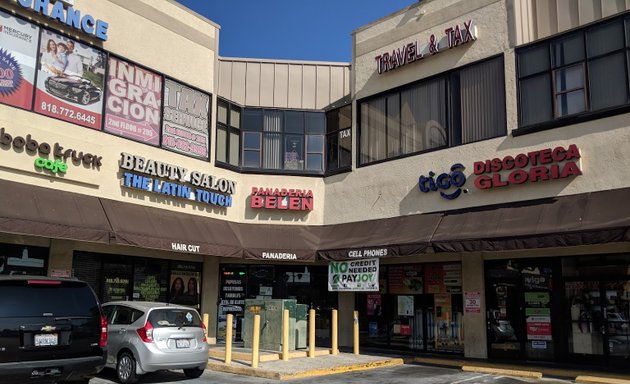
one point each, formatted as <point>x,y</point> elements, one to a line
<point>470,378</point>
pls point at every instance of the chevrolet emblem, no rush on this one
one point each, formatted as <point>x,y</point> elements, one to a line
<point>48,328</point>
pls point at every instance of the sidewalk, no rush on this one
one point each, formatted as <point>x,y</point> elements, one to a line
<point>301,366</point>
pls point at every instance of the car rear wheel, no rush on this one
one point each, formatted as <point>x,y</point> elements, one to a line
<point>193,373</point>
<point>126,368</point>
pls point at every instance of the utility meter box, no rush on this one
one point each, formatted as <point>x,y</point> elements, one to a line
<point>270,311</point>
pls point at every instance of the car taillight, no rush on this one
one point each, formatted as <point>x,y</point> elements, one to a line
<point>103,342</point>
<point>146,332</point>
<point>205,339</point>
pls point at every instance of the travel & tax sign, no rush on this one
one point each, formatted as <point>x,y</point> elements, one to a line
<point>353,275</point>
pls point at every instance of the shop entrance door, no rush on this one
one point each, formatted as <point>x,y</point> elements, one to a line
<point>522,313</point>
<point>599,317</point>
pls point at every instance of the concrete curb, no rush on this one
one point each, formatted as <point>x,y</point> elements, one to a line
<point>342,369</point>
<point>275,375</point>
<point>600,380</point>
<point>503,372</point>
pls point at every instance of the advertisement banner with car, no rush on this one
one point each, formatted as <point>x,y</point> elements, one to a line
<point>70,81</point>
<point>353,275</point>
<point>134,102</point>
<point>185,127</point>
<point>18,53</point>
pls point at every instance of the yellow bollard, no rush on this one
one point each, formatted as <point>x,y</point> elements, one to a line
<point>335,342</point>
<point>356,332</point>
<point>311,333</point>
<point>285,335</point>
<point>255,341</point>
<point>228,339</point>
<point>205,322</point>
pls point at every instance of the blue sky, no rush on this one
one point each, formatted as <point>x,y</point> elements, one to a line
<point>291,29</point>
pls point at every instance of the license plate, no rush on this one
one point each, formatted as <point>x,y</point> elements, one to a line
<point>46,340</point>
<point>182,343</point>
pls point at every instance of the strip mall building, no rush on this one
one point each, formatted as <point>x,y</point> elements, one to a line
<point>474,153</point>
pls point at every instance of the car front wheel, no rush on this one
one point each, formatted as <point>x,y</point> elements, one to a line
<point>126,368</point>
<point>84,98</point>
<point>193,373</point>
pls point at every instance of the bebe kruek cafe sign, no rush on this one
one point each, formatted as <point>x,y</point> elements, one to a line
<point>282,198</point>
<point>454,36</point>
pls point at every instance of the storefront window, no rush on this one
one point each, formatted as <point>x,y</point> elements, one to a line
<point>23,260</point>
<point>419,307</point>
<point>185,284</point>
<point>597,296</point>
<point>306,284</point>
<point>115,277</point>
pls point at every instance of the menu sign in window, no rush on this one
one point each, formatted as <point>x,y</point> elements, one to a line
<point>405,279</point>
<point>232,299</point>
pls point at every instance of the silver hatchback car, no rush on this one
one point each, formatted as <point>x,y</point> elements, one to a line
<point>146,337</point>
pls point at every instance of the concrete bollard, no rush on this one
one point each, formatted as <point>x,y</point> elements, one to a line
<point>205,323</point>
<point>285,335</point>
<point>256,341</point>
<point>228,339</point>
<point>356,332</point>
<point>311,333</point>
<point>335,336</point>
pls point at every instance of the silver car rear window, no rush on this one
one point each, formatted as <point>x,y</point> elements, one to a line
<point>174,317</point>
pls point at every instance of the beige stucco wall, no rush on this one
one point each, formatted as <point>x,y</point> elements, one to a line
<point>391,189</point>
<point>163,36</point>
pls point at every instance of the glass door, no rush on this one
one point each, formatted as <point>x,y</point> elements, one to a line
<point>615,297</point>
<point>600,319</point>
<point>587,330</point>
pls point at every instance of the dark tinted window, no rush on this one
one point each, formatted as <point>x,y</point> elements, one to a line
<point>174,317</point>
<point>23,299</point>
<point>125,315</point>
<point>575,76</point>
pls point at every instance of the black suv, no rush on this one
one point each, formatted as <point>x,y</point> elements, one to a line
<point>51,330</point>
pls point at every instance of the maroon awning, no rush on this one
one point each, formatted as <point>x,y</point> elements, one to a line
<point>45,212</point>
<point>277,242</point>
<point>155,228</point>
<point>398,236</point>
<point>583,219</point>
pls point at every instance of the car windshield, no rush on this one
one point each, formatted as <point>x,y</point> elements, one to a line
<point>174,317</point>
